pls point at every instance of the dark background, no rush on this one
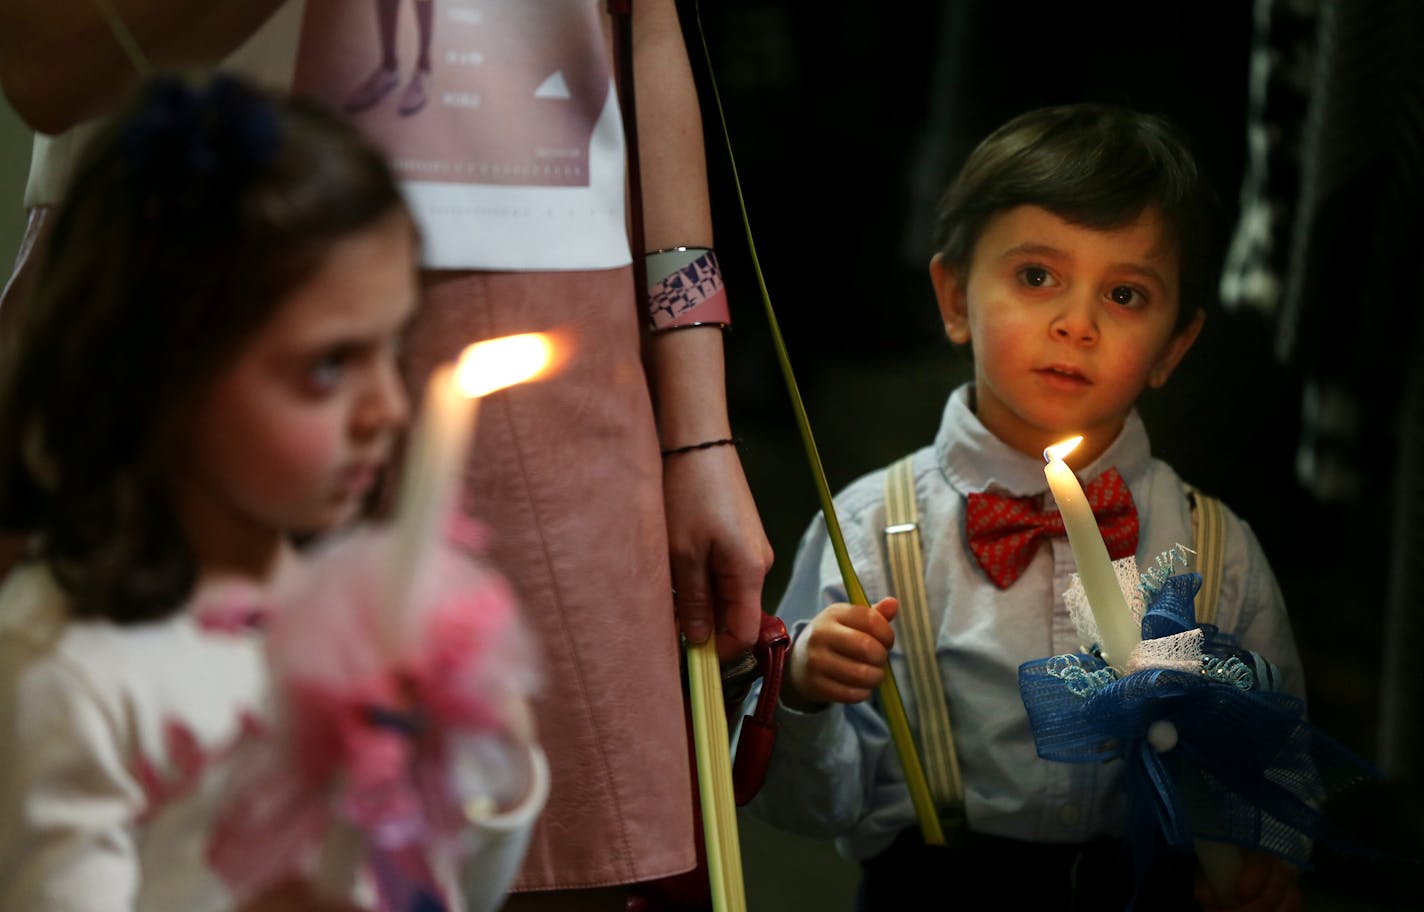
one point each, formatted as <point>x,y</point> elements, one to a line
<point>846,120</point>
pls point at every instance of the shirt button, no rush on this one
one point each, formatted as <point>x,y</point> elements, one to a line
<point>1069,814</point>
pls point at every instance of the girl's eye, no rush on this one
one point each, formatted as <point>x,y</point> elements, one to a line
<point>324,374</point>
<point>1036,277</point>
<point>1127,296</point>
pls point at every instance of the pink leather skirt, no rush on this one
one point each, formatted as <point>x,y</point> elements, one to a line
<point>565,473</point>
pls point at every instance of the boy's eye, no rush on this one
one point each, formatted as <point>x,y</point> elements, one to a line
<point>1036,277</point>
<point>1126,296</point>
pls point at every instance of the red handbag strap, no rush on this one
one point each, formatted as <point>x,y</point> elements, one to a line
<point>758,732</point>
<point>771,648</point>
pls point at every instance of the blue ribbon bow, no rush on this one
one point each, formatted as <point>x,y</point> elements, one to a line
<point>1244,767</point>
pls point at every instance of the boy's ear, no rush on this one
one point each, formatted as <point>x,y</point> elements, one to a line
<point>953,302</point>
<point>1177,347</point>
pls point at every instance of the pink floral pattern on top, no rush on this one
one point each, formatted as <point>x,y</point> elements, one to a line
<point>187,763</point>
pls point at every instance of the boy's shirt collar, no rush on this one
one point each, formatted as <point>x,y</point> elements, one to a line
<point>974,460</point>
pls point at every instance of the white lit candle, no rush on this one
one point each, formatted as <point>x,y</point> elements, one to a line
<point>439,442</point>
<point>1221,862</point>
<point>1116,627</point>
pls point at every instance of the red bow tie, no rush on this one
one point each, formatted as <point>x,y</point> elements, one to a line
<point>1004,532</point>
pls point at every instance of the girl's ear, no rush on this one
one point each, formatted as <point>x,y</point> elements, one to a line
<point>953,302</point>
<point>1176,348</point>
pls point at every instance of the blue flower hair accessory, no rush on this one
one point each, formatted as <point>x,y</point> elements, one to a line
<point>191,149</point>
<point>1211,749</point>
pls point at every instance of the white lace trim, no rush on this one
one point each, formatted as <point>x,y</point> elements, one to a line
<point>1138,589</point>
<point>1128,580</point>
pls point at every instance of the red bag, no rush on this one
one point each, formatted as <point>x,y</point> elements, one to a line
<point>691,891</point>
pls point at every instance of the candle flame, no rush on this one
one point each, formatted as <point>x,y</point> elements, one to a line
<point>1061,448</point>
<point>496,363</point>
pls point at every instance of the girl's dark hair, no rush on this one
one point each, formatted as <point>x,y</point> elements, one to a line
<point>1094,165</point>
<point>191,217</point>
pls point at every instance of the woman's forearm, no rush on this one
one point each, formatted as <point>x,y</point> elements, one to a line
<point>686,366</point>
<point>60,62</point>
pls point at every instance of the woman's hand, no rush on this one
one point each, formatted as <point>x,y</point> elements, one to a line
<point>719,552</point>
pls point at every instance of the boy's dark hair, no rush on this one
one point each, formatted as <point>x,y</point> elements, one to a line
<point>1094,165</point>
<point>191,217</point>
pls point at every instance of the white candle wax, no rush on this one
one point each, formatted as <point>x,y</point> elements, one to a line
<point>1116,627</point>
<point>437,449</point>
<point>436,457</point>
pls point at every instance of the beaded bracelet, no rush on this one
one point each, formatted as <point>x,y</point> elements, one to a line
<point>704,445</point>
<point>685,289</point>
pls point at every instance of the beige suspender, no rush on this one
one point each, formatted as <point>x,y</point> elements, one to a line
<point>916,638</point>
<point>1209,541</point>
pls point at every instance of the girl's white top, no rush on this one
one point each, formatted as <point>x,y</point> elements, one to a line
<point>117,745</point>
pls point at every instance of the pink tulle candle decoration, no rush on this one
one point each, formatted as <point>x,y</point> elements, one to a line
<point>440,440</point>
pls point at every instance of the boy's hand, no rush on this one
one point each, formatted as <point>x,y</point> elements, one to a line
<point>1265,884</point>
<point>840,657</point>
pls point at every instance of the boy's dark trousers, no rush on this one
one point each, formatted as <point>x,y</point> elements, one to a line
<point>1011,874</point>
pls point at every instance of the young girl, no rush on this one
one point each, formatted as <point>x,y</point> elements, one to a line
<point>209,369</point>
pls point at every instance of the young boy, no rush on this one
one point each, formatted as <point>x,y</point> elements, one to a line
<point>1074,257</point>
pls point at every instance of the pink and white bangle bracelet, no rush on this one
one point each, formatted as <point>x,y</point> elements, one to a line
<point>685,289</point>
